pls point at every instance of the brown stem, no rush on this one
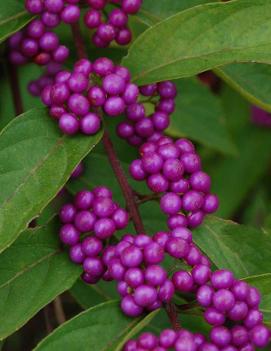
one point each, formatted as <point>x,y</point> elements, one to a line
<point>48,325</point>
<point>125,187</point>
<point>59,310</point>
<point>111,153</point>
<point>173,316</point>
<point>15,88</point>
<point>141,199</point>
<point>79,41</point>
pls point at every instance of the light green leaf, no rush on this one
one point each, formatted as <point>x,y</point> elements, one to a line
<point>13,17</point>
<point>202,38</point>
<point>199,115</point>
<point>36,160</point>
<point>242,249</point>
<point>101,328</point>
<point>33,272</point>
<point>251,80</point>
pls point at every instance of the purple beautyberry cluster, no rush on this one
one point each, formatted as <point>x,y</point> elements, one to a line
<point>107,29</point>
<point>174,168</point>
<point>115,27</point>
<point>38,44</point>
<point>181,340</point>
<point>139,127</point>
<point>231,302</point>
<point>75,97</point>
<point>135,264</point>
<point>92,218</point>
<point>184,340</point>
<point>53,12</point>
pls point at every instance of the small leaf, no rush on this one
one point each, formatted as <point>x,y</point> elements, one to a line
<point>101,328</point>
<point>202,38</point>
<point>13,17</point>
<point>244,250</point>
<point>251,80</point>
<point>199,115</point>
<point>36,160</point>
<point>33,272</point>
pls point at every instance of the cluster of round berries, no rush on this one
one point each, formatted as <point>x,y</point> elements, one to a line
<point>138,127</point>
<point>181,340</point>
<point>221,339</point>
<point>38,44</point>
<point>174,168</point>
<point>52,12</point>
<point>91,212</point>
<point>114,27</point>
<point>228,301</point>
<point>142,283</point>
<point>76,97</point>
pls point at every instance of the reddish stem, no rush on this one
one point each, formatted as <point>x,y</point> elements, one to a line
<point>173,316</point>
<point>110,151</point>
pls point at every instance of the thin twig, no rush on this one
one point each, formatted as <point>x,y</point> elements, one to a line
<point>48,325</point>
<point>173,316</point>
<point>110,151</point>
<point>59,310</point>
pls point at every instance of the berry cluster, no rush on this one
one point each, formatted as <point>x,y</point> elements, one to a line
<point>36,43</point>
<point>92,212</point>
<point>221,339</point>
<point>169,339</point>
<point>75,98</point>
<point>115,27</point>
<point>52,12</point>
<point>142,283</point>
<point>138,127</point>
<point>228,301</point>
<point>174,168</point>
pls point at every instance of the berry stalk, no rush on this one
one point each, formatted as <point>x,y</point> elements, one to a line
<point>110,151</point>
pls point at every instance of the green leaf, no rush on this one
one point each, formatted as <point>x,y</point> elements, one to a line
<point>242,249</point>
<point>13,17</point>
<point>251,80</point>
<point>153,12</point>
<point>201,38</point>
<point>233,177</point>
<point>90,295</point>
<point>101,328</point>
<point>33,272</point>
<point>36,161</point>
<point>199,115</point>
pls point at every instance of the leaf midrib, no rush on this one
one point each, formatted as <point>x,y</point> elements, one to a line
<point>29,267</point>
